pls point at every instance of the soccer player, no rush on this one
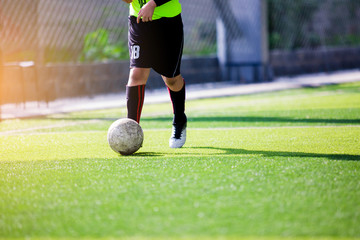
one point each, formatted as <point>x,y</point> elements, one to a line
<point>156,39</point>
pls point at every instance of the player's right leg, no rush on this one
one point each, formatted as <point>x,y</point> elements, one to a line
<point>135,92</point>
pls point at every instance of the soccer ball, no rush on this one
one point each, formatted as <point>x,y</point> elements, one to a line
<point>125,136</point>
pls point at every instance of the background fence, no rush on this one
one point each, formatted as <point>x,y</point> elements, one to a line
<point>75,32</point>
<point>87,30</point>
<point>96,30</point>
<point>313,24</point>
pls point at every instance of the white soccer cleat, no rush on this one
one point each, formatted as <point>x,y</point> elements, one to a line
<point>178,136</point>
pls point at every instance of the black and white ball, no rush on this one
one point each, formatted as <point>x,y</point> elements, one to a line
<point>125,136</point>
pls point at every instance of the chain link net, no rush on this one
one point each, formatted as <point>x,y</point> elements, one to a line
<point>87,30</point>
<point>52,31</point>
<point>313,23</point>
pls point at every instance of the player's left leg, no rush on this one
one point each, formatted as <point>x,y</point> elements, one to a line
<point>167,55</point>
<point>176,87</point>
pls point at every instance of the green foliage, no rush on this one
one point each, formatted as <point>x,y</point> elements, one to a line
<point>288,21</point>
<point>58,55</point>
<point>202,38</point>
<point>292,24</point>
<point>97,47</point>
<point>340,40</point>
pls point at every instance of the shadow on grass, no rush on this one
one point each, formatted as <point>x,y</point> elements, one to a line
<point>245,152</point>
<point>144,154</point>
<point>239,151</point>
<point>234,118</point>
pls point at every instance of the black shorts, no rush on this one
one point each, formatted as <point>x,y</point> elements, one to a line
<point>157,44</point>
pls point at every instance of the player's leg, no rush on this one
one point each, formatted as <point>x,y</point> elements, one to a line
<point>176,87</point>
<point>168,49</point>
<point>135,92</point>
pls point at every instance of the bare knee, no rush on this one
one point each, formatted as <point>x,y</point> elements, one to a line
<point>170,81</point>
<point>138,76</point>
<point>175,83</point>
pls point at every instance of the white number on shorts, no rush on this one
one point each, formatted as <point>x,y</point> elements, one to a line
<point>135,52</point>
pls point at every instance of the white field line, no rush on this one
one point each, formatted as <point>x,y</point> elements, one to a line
<point>60,125</point>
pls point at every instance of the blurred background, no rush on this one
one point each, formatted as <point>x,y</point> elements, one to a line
<point>51,49</point>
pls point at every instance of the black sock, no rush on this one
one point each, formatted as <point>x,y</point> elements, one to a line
<point>178,102</point>
<point>135,101</point>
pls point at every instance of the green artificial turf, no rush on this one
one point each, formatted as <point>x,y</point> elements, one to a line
<point>265,166</point>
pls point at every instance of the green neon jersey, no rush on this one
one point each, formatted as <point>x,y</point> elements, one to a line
<point>169,9</point>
